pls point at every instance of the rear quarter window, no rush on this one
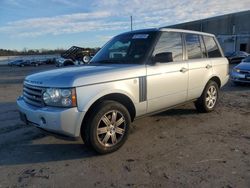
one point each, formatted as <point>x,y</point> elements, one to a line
<point>212,47</point>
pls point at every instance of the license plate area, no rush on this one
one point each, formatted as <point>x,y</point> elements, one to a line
<point>248,76</point>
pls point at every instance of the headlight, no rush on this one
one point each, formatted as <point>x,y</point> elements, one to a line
<point>60,97</point>
<point>236,70</point>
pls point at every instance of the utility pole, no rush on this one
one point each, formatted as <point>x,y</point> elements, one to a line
<point>131,23</point>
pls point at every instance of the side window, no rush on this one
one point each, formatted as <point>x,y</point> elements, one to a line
<point>170,42</point>
<point>193,46</point>
<point>211,46</point>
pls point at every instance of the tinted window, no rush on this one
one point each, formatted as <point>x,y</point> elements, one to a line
<point>193,46</point>
<point>211,46</point>
<point>172,43</point>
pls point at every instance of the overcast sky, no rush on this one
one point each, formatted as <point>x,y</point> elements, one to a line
<point>36,24</point>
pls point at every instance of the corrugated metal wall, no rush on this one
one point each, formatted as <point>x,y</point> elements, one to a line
<point>232,30</point>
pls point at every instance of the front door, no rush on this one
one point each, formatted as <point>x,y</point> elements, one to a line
<point>167,81</point>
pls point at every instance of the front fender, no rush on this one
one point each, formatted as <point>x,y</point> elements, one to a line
<point>87,95</point>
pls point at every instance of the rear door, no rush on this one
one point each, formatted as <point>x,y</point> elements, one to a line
<point>200,67</point>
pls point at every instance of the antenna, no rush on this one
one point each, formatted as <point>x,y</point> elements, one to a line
<point>131,23</point>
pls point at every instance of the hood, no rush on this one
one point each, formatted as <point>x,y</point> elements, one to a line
<point>85,75</point>
<point>243,66</point>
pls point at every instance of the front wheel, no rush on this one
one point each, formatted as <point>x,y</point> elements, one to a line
<point>106,130</point>
<point>209,98</point>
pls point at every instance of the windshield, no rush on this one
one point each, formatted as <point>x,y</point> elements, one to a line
<point>130,48</point>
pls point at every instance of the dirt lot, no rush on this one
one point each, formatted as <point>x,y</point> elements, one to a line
<point>177,148</point>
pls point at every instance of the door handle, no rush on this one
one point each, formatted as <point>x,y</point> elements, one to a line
<point>183,70</point>
<point>208,66</point>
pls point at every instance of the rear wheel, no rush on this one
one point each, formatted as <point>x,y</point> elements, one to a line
<point>107,129</point>
<point>209,98</point>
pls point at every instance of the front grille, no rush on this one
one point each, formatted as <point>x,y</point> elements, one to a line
<point>33,95</point>
<point>244,72</point>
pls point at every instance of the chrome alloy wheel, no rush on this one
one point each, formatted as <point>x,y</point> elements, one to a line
<point>111,128</point>
<point>211,97</point>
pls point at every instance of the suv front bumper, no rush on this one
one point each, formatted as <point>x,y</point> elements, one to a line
<point>65,121</point>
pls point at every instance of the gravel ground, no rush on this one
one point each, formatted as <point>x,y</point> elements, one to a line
<point>176,148</point>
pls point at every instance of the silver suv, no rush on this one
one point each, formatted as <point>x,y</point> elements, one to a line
<point>135,74</point>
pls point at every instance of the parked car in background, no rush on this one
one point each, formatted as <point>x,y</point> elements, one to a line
<point>75,56</point>
<point>38,62</point>
<point>50,61</point>
<point>236,57</point>
<point>32,62</point>
<point>60,62</point>
<point>20,63</point>
<point>241,72</point>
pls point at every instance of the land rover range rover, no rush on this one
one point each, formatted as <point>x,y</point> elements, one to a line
<point>135,74</point>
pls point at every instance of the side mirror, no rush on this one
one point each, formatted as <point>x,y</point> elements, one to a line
<point>163,57</point>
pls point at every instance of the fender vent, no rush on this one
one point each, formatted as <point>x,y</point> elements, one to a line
<point>142,88</point>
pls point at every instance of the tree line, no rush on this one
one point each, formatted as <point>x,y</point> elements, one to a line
<point>7,52</point>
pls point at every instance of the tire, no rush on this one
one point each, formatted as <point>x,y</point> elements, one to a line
<point>101,132</point>
<point>209,98</point>
<point>86,59</point>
